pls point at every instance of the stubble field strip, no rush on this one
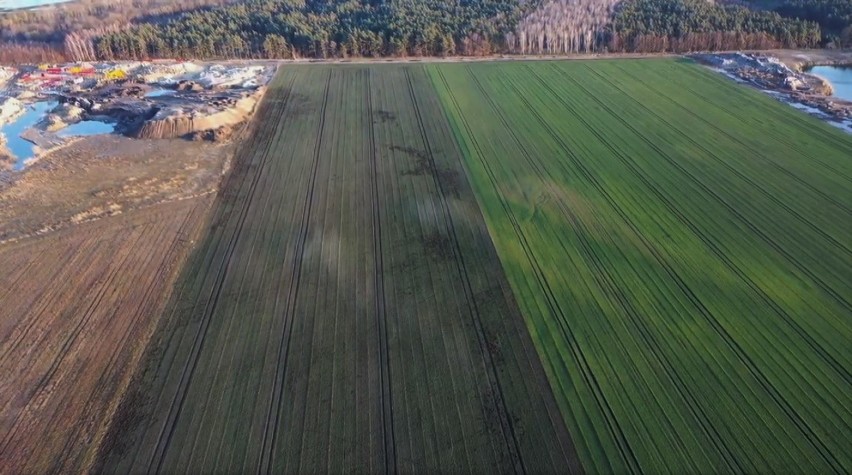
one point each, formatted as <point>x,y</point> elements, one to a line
<point>347,309</point>
<point>587,166</point>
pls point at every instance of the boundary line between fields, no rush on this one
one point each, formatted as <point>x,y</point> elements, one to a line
<point>509,433</point>
<point>176,406</point>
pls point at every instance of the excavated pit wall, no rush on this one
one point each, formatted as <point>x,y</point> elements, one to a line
<point>181,125</point>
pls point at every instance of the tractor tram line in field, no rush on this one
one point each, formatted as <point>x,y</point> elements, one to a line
<point>837,366</point>
<point>505,421</point>
<point>817,134</point>
<point>710,244</point>
<point>69,340</point>
<point>69,261</point>
<point>210,304</point>
<point>421,367</point>
<point>292,296</point>
<point>560,444</point>
<point>508,267</point>
<point>381,317</point>
<point>606,281</point>
<point>566,213</point>
<point>541,280</point>
<point>778,202</point>
<point>765,383</point>
<point>103,379</point>
<point>804,386</point>
<point>682,285</point>
<point>627,161</point>
<point>754,151</point>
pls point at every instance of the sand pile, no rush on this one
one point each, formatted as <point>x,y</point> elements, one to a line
<point>10,109</point>
<point>168,73</point>
<point>5,75</point>
<point>6,157</point>
<point>61,116</point>
<point>223,76</point>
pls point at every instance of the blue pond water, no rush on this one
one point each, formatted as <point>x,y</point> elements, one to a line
<point>17,4</point>
<point>24,149</point>
<point>86,127</point>
<point>840,78</point>
<point>161,92</point>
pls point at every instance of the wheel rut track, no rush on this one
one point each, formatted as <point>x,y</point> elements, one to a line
<point>381,304</point>
<point>510,437</point>
<point>270,434</point>
<point>162,269</point>
<point>754,229</point>
<point>267,206</point>
<point>719,253</point>
<point>158,456</point>
<point>553,305</point>
<point>815,130</point>
<point>836,366</point>
<point>755,151</point>
<point>68,342</point>
<point>726,337</point>
<point>728,166</point>
<point>605,280</point>
<point>16,279</point>
<point>46,299</point>
<point>626,450</point>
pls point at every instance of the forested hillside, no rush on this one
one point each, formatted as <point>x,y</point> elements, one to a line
<point>396,28</point>
<point>690,25</point>
<point>322,29</point>
<point>56,33</point>
<point>833,16</point>
<point>576,26</point>
<point>360,28</point>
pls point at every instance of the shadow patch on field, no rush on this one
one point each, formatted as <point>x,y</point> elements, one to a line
<point>422,165</point>
<point>438,245</point>
<point>129,415</point>
<point>299,105</point>
<point>425,165</point>
<point>449,182</point>
<point>384,116</point>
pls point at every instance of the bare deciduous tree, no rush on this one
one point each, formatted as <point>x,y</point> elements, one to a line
<point>564,26</point>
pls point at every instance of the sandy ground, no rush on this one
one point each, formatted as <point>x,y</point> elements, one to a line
<point>105,176</point>
<point>95,236</point>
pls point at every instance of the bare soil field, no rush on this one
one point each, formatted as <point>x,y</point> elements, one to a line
<point>105,176</point>
<point>91,240</point>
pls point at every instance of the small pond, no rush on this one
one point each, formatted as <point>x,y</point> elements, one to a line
<point>86,127</point>
<point>160,93</point>
<point>840,78</point>
<point>24,149</point>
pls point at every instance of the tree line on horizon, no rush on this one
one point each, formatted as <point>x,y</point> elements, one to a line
<point>397,28</point>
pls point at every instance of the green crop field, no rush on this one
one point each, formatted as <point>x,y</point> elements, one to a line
<point>680,247</point>
<point>609,266</point>
<point>348,310</point>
